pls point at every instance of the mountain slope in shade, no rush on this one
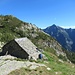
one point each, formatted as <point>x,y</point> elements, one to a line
<point>64,36</point>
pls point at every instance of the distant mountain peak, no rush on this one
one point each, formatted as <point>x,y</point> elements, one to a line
<point>64,36</point>
<point>54,25</point>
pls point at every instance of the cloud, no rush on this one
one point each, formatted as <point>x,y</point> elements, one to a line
<point>73,27</point>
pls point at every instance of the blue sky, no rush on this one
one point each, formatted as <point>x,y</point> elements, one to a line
<point>42,13</point>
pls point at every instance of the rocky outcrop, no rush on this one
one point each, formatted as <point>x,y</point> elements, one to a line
<point>7,66</point>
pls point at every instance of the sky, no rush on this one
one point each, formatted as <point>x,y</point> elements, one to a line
<point>42,13</point>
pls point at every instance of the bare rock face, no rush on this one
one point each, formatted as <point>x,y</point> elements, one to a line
<point>9,63</point>
<point>28,26</point>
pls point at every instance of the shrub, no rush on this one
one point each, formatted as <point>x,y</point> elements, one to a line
<point>62,57</point>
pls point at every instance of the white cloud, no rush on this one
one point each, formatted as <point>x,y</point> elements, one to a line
<point>73,27</point>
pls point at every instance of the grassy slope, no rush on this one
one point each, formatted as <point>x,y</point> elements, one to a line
<point>63,68</point>
<point>57,67</point>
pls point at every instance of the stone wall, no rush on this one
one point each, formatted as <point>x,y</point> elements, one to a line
<point>14,49</point>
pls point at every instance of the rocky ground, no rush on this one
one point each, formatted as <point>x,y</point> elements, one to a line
<point>9,64</point>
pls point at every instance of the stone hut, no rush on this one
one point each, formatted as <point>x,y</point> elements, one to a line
<point>21,48</point>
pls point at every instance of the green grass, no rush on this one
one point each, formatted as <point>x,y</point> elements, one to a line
<point>26,71</point>
<point>56,66</point>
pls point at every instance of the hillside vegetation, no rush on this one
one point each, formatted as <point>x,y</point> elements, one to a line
<point>11,28</point>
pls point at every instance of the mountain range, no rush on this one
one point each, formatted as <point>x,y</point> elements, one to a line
<point>66,37</point>
<point>58,60</point>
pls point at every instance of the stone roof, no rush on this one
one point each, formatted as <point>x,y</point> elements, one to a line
<point>28,46</point>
